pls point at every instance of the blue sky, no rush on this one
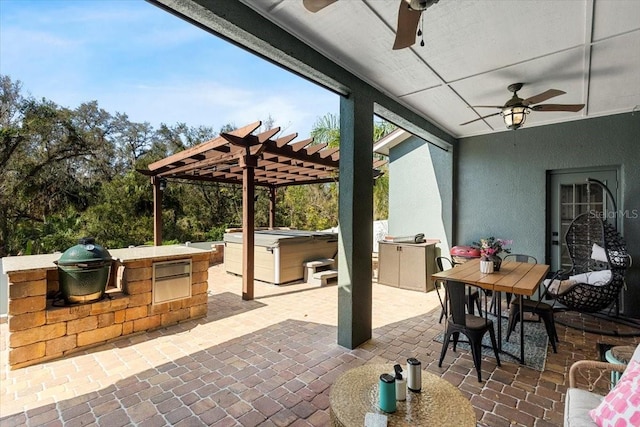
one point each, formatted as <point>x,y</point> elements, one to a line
<point>134,58</point>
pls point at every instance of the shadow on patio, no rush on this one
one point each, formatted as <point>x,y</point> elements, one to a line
<point>273,363</point>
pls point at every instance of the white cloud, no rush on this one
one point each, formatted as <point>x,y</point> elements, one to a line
<point>215,105</point>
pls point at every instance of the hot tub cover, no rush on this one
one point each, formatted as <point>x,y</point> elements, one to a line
<point>272,238</point>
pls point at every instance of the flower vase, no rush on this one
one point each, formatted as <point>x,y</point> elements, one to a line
<point>486,267</point>
<point>497,262</point>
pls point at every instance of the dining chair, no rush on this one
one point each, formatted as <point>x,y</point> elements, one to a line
<point>473,295</point>
<point>473,327</point>
<point>541,309</point>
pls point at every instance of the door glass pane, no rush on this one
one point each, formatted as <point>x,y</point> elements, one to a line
<point>566,212</point>
<point>597,195</point>
<point>581,193</point>
<point>566,194</point>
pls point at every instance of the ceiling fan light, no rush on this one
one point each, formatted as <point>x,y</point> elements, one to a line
<point>514,117</point>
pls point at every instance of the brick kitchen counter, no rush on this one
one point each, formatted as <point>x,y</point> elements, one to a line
<point>40,331</point>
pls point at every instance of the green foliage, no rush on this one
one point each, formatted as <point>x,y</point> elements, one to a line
<point>68,173</point>
<point>316,207</point>
<point>216,233</point>
<point>326,129</point>
<point>312,207</point>
<point>381,196</point>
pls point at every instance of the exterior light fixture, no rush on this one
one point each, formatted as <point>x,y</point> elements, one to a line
<point>515,116</point>
<point>162,184</point>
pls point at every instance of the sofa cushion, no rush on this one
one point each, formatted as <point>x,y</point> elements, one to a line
<point>556,287</point>
<point>621,406</point>
<point>577,405</point>
<point>595,278</point>
<point>598,253</point>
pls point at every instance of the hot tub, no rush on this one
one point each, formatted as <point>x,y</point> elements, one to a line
<point>280,254</point>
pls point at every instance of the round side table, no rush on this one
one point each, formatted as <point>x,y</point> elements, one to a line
<point>439,403</point>
<point>620,355</point>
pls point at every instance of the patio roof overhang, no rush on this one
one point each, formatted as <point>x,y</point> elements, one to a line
<point>239,157</point>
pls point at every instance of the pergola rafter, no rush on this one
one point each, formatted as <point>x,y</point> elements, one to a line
<point>241,158</point>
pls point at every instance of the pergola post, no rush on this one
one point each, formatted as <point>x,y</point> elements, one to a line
<point>248,163</point>
<point>355,241</point>
<point>157,211</point>
<point>272,207</point>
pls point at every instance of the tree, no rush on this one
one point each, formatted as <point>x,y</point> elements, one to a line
<point>326,129</point>
<point>315,206</point>
<point>67,173</point>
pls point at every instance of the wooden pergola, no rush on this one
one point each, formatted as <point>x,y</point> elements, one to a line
<point>239,157</point>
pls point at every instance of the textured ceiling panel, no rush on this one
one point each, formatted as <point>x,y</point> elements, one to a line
<point>475,49</point>
<point>615,17</point>
<point>615,86</point>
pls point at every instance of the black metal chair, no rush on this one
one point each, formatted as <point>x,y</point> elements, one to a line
<point>473,295</point>
<point>541,309</point>
<point>586,230</point>
<point>473,327</point>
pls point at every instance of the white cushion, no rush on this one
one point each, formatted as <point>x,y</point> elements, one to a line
<point>598,253</point>
<point>577,405</point>
<point>595,278</point>
<point>558,286</point>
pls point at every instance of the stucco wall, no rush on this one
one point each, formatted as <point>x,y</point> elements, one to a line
<point>421,191</point>
<point>502,182</point>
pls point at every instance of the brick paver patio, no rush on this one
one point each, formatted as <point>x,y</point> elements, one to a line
<point>271,362</point>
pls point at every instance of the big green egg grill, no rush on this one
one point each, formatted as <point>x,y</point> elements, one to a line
<point>83,272</point>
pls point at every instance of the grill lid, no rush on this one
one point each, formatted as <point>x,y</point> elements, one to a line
<point>86,251</point>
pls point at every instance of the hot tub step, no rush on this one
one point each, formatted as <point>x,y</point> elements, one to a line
<point>319,271</point>
<point>321,277</point>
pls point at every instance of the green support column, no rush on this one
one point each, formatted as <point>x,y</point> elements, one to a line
<point>355,243</point>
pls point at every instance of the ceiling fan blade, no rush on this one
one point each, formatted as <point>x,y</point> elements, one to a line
<point>487,106</point>
<point>316,5</point>
<point>407,26</point>
<point>543,96</point>
<point>558,107</point>
<point>479,118</point>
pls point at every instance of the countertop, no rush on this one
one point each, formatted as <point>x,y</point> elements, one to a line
<point>427,242</point>
<point>46,262</point>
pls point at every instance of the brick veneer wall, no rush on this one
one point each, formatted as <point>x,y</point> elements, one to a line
<point>38,331</point>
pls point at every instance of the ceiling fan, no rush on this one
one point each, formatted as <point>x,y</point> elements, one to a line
<point>514,111</point>
<point>408,18</point>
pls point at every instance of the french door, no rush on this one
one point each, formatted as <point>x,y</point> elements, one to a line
<point>571,194</point>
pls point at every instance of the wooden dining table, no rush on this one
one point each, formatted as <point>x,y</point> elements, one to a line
<point>518,278</point>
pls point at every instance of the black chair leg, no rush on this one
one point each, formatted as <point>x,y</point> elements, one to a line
<point>443,304</point>
<point>548,324</point>
<point>445,345</point>
<point>554,329</point>
<point>478,305</point>
<point>476,353</point>
<point>456,337</point>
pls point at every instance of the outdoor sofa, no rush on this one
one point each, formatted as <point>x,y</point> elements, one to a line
<point>621,405</point>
